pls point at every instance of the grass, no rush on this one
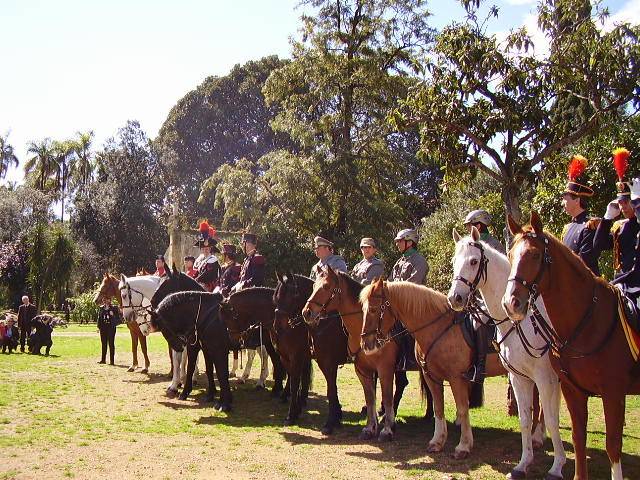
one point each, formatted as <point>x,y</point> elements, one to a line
<point>64,416</point>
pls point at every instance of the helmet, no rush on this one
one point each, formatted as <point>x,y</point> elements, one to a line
<point>478,216</point>
<point>407,234</point>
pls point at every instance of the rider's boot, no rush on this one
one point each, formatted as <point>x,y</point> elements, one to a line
<point>477,371</point>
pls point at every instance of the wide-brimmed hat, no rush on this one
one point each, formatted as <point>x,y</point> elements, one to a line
<point>368,242</point>
<point>577,180</point>
<point>322,242</point>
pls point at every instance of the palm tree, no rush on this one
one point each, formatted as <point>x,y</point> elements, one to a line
<point>84,164</point>
<point>40,165</point>
<point>63,169</point>
<point>7,156</point>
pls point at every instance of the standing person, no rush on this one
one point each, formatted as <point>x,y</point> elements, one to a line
<point>370,267</point>
<point>579,233</point>
<point>323,249</point>
<point>188,266</point>
<point>619,235</point>
<point>26,312</point>
<point>481,219</point>
<point>161,267</point>
<point>207,264</point>
<point>108,320</point>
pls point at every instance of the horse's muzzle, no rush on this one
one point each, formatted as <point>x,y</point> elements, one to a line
<point>310,317</point>
<point>369,344</point>
<point>456,301</point>
<point>515,306</point>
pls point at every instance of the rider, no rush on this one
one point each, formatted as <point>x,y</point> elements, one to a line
<point>230,269</point>
<point>207,264</point>
<point>188,266</point>
<point>370,267</point>
<point>620,235</point>
<point>578,234</point>
<point>410,267</point>
<point>161,268</point>
<point>323,249</point>
<point>253,266</point>
<point>481,219</point>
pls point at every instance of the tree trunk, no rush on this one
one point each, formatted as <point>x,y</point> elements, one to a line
<point>512,207</point>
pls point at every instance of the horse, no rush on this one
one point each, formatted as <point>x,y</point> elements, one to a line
<point>479,268</point>
<point>108,289</point>
<point>329,348</point>
<point>177,281</point>
<point>187,318</point>
<point>249,315</point>
<point>441,349</point>
<point>291,337</point>
<point>337,291</point>
<point>588,340</point>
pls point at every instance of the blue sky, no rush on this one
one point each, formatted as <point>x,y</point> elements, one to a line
<point>71,65</point>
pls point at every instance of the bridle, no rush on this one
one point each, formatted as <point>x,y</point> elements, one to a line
<point>380,338</point>
<point>545,263</point>
<point>137,309</point>
<point>481,274</point>
<point>336,291</point>
<point>241,334</point>
<point>294,320</point>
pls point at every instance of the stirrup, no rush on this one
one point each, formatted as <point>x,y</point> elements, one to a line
<point>475,377</point>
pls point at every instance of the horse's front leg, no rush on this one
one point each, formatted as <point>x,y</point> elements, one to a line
<point>176,359</point>
<point>549,389</point>
<point>614,409</point>
<point>460,389</point>
<point>143,347</point>
<point>279,371</point>
<point>523,389</point>
<point>577,403</point>
<point>208,365</point>
<point>220,358</point>
<point>440,428</point>
<point>192,360</point>
<point>386,384</point>
<point>330,372</point>
<point>134,347</point>
<point>368,380</point>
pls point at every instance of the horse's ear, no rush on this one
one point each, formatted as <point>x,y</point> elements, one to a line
<point>278,276</point>
<point>536,222</point>
<point>514,227</point>
<point>331,273</point>
<point>475,234</point>
<point>456,235</point>
<point>123,279</point>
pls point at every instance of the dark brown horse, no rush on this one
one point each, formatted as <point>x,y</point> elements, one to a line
<point>109,289</point>
<point>339,292</point>
<point>588,344</point>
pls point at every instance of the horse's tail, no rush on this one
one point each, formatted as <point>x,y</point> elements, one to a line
<point>476,395</point>
<point>307,374</point>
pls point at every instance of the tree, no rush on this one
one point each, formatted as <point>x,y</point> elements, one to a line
<point>84,167</point>
<point>487,106</point>
<point>63,170</point>
<point>20,209</point>
<point>40,166</point>
<point>7,156</point>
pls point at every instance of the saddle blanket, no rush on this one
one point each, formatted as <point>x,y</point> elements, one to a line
<point>467,326</point>
<point>629,313</point>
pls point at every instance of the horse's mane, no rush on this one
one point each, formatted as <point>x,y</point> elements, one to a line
<point>303,277</point>
<point>353,285</point>
<point>179,298</point>
<point>192,281</point>
<point>251,291</point>
<point>574,261</point>
<point>468,239</point>
<point>416,300</point>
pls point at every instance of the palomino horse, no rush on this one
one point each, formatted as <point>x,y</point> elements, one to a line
<point>337,291</point>
<point>588,344</point>
<point>441,349</point>
<point>109,289</point>
<point>479,268</point>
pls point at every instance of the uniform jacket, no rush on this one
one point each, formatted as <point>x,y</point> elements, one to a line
<point>192,272</point>
<point>208,271</point>
<point>493,242</point>
<point>230,276</point>
<point>410,267</point>
<point>366,271</point>
<point>252,271</point>
<point>26,313</point>
<point>334,261</point>
<point>621,236</point>
<point>578,236</point>
<point>108,316</point>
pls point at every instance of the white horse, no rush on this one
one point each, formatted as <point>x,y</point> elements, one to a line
<point>523,353</point>
<point>136,294</point>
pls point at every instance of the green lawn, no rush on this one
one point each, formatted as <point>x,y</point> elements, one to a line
<point>65,416</point>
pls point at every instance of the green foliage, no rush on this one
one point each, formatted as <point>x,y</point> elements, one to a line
<point>20,209</point>
<point>436,241</point>
<point>85,309</point>
<point>7,155</point>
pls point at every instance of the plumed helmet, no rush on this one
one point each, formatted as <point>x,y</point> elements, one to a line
<point>407,234</point>
<point>206,235</point>
<point>478,216</point>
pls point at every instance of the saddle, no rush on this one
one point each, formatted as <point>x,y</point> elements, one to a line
<point>629,313</point>
<point>468,332</point>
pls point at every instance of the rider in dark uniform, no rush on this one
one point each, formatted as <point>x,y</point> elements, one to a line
<point>108,320</point>
<point>252,271</point>
<point>207,264</point>
<point>619,235</point>
<point>579,233</point>
<point>230,269</point>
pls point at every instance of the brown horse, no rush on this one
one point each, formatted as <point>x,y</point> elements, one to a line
<point>441,349</point>
<point>109,289</point>
<point>336,291</point>
<point>589,347</point>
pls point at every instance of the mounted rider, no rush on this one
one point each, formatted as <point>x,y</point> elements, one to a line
<point>579,233</point>
<point>188,266</point>
<point>230,269</point>
<point>481,219</point>
<point>207,264</point>
<point>370,267</point>
<point>323,250</point>
<point>253,267</point>
<point>161,267</point>
<point>619,235</point>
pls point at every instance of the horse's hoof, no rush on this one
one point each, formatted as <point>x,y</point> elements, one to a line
<point>144,370</point>
<point>183,396</point>
<point>366,434</point>
<point>517,474</point>
<point>259,387</point>
<point>171,393</point>
<point>551,476</point>
<point>242,380</point>
<point>289,421</point>
<point>224,407</point>
<point>385,437</point>
<point>131,369</point>
<point>460,455</point>
<point>327,430</point>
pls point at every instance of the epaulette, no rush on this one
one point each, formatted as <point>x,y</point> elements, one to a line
<point>592,223</point>
<point>258,259</point>
<point>617,225</point>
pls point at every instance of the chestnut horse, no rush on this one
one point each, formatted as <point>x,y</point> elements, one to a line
<point>441,350</point>
<point>337,291</point>
<point>589,349</point>
<point>109,289</point>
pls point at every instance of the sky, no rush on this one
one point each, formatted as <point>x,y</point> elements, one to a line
<point>79,65</point>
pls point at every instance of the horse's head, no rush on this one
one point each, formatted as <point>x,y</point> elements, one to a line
<point>286,298</point>
<point>159,323</point>
<point>133,305</point>
<point>469,269</point>
<point>237,325</point>
<point>324,297</point>
<point>108,289</point>
<point>529,258</point>
<point>377,317</point>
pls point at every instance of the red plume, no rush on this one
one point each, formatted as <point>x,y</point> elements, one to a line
<point>621,161</point>
<point>212,232</point>
<point>204,227</point>
<point>577,166</point>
